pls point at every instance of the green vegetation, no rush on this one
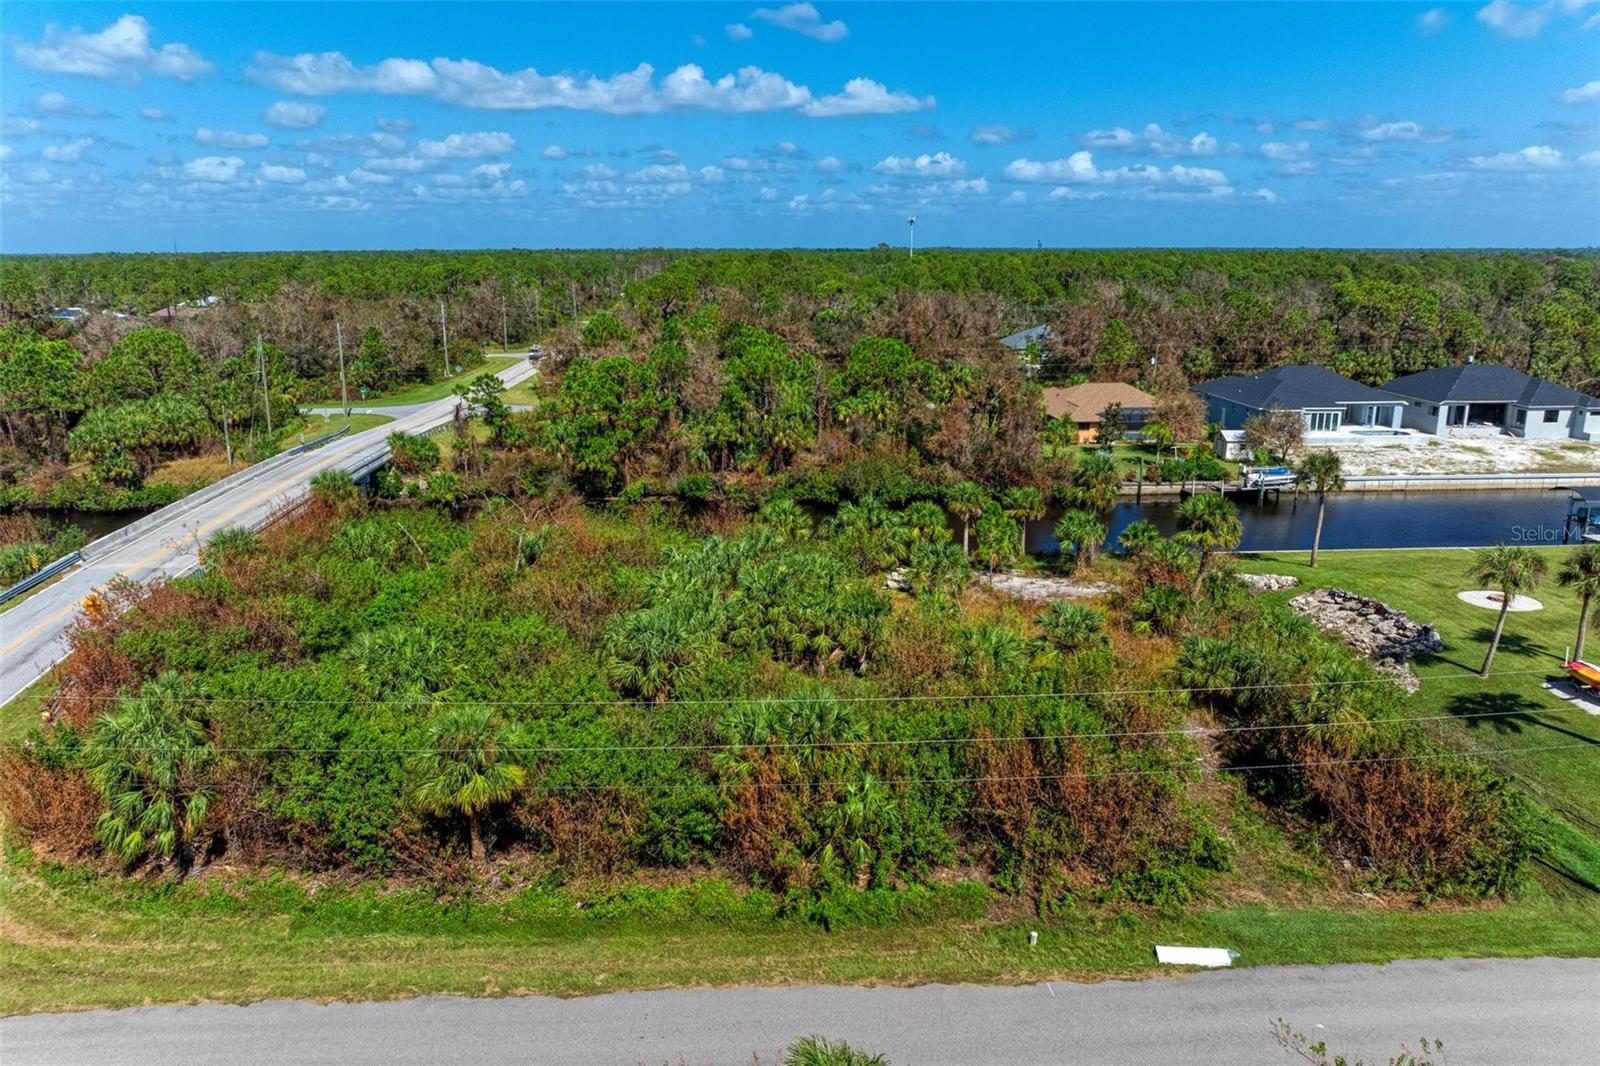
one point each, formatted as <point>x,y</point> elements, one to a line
<point>434,390</point>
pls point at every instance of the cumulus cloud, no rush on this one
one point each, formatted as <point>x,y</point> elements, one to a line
<point>1433,20</point>
<point>466,83</point>
<point>1265,195</point>
<point>738,31</point>
<point>863,96</point>
<point>1280,152</point>
<point>804,19</point>
<point>362,144</point>
<point>997,134</point>
<point>1401,131</point>
<point>468,146</point>
<point>211,138</point>
<point>214,169</point>
<point>60,105</point>
<point>1079,168</point>
<point>1516,20</point>
<point>154,114</point>
<point>553,151</point>
<point>830,164</point>
<point>121,52</point>
<point>1151,139</point>
<point>280,175</point>
<point>68,152</point>
<point>1587,93</point>
<point>1533,159</point>
<point>294,115</point>
<point>940,165</point>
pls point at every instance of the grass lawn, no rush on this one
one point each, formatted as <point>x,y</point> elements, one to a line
<point>75,942</point>
<point>310,427</point>
<point>437,390</point>
<point>1127,456</point>
<point>1424,583</point>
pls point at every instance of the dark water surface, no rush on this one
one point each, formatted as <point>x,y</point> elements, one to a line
<point>1365,520</point>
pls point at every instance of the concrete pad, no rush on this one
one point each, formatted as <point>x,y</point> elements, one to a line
<point>1491,599</point>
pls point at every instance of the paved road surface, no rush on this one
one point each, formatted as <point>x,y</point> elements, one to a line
<point>1527,1012</point>
<point>164,545</point>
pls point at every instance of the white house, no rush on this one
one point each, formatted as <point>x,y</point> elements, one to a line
<point>1483,399</point>
<point>1330,403</point>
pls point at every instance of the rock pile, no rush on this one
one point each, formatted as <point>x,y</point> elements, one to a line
<point>1269,582</point>
<point>1043,587</point>
<point>1372,628</point>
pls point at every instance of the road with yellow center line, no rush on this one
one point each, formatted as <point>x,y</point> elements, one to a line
<point>167,544</point>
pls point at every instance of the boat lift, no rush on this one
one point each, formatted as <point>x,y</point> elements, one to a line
<point>1582,521</point>
<point>1274,479</point>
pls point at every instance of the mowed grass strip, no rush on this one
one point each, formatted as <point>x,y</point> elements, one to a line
<point>1511,710</point>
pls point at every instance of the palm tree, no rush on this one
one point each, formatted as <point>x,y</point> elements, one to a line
<point>1073,626</point>
<point>652,652</point>
<point>816,1051</point>
<point>1208,523</point>
<point>1138,537</point>
<point>1084,533</point>
<point>787,519</point>
<point>965,501</point>
<point>1510,571</point>
<point>1321,472</point>
<point>1023,504</point>
<point>465,770</point>
<point>1581,571</point>
<point>1094,483</point>
<point>150,762</point>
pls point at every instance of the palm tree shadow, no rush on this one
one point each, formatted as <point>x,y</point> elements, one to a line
<point>1507,714</point>
<point>1512,643</point>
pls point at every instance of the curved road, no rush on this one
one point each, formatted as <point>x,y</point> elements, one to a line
<point>1524,1011</point>
<point>165,543</point>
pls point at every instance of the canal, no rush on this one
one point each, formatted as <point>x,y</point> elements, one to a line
<point>1364,520</point>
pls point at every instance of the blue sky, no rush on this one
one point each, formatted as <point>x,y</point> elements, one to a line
<point>138,127</point>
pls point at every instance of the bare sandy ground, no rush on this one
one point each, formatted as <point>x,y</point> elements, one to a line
<point>1470,455</point>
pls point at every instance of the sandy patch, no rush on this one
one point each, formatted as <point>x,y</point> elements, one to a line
<point>1492,600</point>
<point>1469,455</point>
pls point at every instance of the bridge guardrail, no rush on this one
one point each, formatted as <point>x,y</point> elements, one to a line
<point>41,575</point>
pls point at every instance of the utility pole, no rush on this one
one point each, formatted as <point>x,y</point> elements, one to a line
<point>505,335</point>
<point>344,386</point>
<point>444,334</point>
<point>911,237</point>
<point>574,301</point>
<point>266,396</point>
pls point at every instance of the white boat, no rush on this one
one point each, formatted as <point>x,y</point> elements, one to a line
<point>1268,477</point>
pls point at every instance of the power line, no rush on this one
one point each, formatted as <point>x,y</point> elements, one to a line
<point>814,698</point>
<point>880,742</point>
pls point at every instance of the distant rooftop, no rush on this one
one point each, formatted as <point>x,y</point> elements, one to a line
<point>1293,388</point>
<point>1487,383</point>
<point>1040,335</point>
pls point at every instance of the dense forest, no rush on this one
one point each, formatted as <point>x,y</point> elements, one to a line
<point>474,670</point>
<point>741,368</point>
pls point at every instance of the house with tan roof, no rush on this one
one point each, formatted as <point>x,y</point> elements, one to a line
<point>1082,405</point>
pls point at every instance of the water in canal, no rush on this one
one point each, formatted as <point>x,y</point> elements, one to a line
<point>1364,520</point>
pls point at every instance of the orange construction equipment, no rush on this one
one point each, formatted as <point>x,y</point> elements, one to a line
<point>1586,674</point>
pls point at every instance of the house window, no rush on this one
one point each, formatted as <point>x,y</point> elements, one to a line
<point>1522,417</point>
<point>1322,421</point>
<point>1433,409</point>
<point>1552,415</point>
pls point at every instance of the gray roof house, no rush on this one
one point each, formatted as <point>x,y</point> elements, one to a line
<point>1330,403</point>
<point>1482,399</point>
<point>1041,335</point>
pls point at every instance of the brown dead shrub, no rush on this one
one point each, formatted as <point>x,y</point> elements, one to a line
<point>53,811</point>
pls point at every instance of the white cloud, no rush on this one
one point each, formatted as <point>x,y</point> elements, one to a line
<point>1533,159</point>
<point>1313,125</point>
<point>1587,93</point>
<point>466,83</point>
<point>211,138</point>
<point>294,115</point>
<point>997,134</point>
<point>16,127</point>
<point>60,105</point>
<point>863,96</point>
<point>938,165</point>
<point>215,169</point>
<point>468,146</point>
<point>1433,20</point>
<point>1079,169</point>
<point>659,173</point>
<point>1017,197</point>
<point>69,152</point>
<point>712,175</point>
<point>281,175</point>
<point>1401,131</point>
<point>399,164</point>
<point>363,144</point>
<point>5,151</point>
<point>362,176</point>
<point>1152,139</point>
<point>553,151</point>
<point>490,171</point>
<point>767,195</point>
<point>1590,159</point>
<point>830,164</point>
<point>120,52</point>
<point>1285,153</point>
<point>738,31</point>
<point>154,114</point>
<point>804,19</point>
<point>395,125</point>
<point>1515,20</point>
<point>1266,195</point>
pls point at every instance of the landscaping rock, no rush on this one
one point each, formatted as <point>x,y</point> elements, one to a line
<point>1043,588</point>
<point>1269,582</point>
<point>1374,629</point>
<point>896,580</point>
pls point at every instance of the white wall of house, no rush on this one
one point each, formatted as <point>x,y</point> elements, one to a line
<point>1586,425</point>
<point>1535,422</point>
<point>1424,417</point>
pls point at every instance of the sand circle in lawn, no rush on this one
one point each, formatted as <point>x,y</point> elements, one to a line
<point>1492,599</point>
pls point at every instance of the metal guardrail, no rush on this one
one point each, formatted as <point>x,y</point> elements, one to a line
<point>317,442</point>
<point>40,576</point>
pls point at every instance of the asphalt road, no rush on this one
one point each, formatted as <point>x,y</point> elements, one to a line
<point>1527,1012</point>
<point>165,545</point>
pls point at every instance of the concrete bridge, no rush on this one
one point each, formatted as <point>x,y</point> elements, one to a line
<point>166,543</point>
